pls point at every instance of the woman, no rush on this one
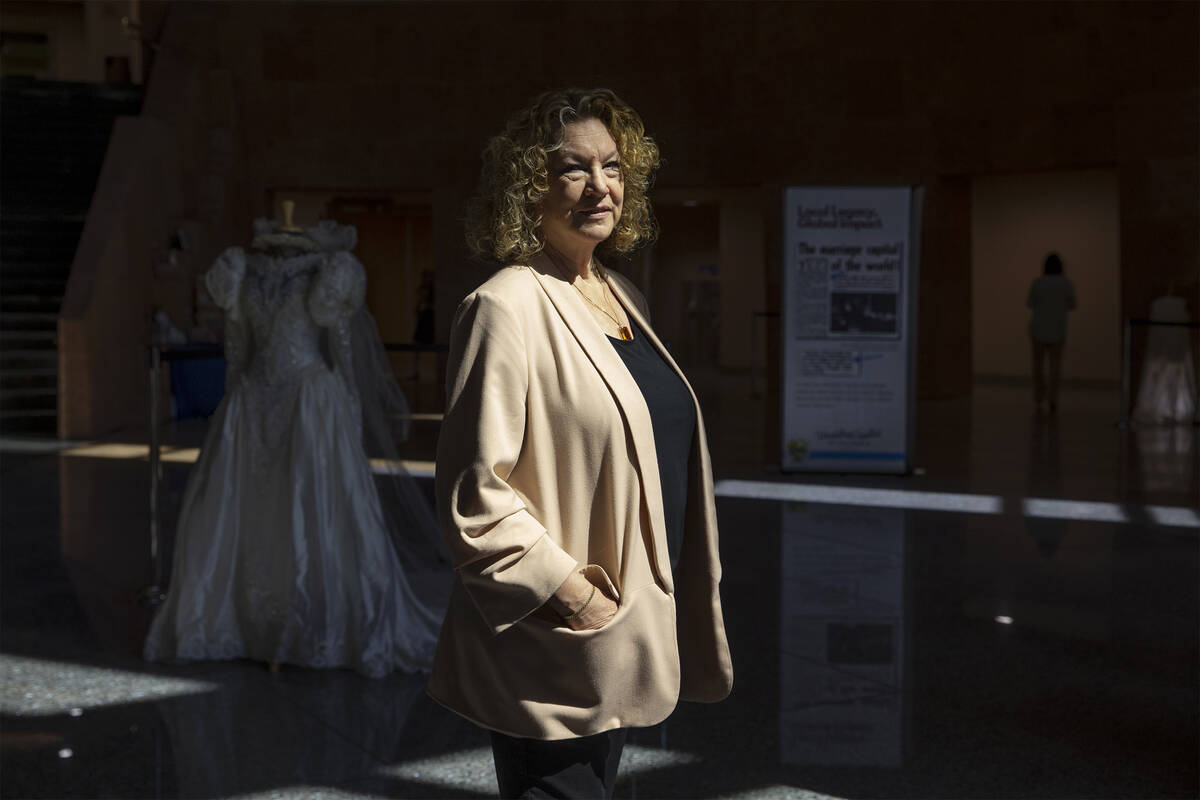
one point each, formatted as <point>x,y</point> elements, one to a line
<point>1050,298</point>
<point>573,477</point>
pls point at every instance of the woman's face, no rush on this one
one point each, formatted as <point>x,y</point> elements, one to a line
<point>583,204</point>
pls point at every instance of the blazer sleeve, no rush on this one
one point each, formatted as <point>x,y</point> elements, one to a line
<point>507,563</point>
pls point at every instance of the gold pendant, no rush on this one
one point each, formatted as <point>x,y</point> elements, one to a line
<point>626,336</point>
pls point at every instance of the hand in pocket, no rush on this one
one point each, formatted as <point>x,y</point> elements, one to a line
<point>582,604</point>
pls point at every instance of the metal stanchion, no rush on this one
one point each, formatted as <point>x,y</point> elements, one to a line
<point>753,354</point>
<point>1126,345</point>
<point>153,594</point>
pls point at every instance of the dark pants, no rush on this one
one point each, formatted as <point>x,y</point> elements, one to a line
<point>578,769</point>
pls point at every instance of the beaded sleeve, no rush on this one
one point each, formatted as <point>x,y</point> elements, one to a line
<point>224,284</point>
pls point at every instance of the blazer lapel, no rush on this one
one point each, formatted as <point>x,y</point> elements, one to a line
<point>573,310</point>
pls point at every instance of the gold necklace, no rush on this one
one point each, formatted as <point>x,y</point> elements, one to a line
<point>626,334</point>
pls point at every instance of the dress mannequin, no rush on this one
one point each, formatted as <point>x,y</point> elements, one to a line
<point>283,551</point>
<point>1167,392</point>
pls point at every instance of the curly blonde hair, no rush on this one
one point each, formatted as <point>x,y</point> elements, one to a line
<point>504,220</point>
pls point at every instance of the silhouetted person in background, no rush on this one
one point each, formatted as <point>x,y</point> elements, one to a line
<point>1050,298</point>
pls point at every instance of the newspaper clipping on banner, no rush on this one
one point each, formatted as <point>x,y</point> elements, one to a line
<point>849,328</point>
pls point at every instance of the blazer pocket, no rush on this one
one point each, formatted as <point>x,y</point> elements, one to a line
<point>630,663</point>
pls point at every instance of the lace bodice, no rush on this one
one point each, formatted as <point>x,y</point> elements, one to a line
<point>276,307</point>
<point>286,340</point>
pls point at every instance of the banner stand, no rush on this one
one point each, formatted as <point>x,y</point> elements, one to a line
<point>849,328</point>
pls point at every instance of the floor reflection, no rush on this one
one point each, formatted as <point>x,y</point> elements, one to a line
<point>842,636</point>
<point>1022,620</point>
<point>1167,457</point>
<point>246,736</point>
<point>1045,479</point>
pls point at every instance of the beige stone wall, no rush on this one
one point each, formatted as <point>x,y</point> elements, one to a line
<point>399,97</point>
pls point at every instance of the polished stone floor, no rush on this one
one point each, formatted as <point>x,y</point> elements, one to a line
<point>1017,619</point>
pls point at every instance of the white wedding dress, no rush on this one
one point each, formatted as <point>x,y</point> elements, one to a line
<point>282,552</point>
<point>1167,393</point>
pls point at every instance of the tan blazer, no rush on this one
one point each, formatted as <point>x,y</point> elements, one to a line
<point>546,463</point>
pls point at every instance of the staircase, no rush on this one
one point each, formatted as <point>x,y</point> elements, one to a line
<point>53,137</point>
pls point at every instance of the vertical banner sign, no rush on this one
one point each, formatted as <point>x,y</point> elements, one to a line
<point>849,328</point>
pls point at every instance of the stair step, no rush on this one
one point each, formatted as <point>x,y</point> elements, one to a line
<point>39,232</point>
<point>48,218</point>
<point>42,225</point>
<point>45,219</point>
<point>47,230</point>
<point>20,321</point>
<point>39,350</point>
<point>28,372</point>
<point>42,422</point>
<point>13,414</point>
<point>27,339</point>
<point>47,427</point>
<point>43,247</point>
<point>35,268</point>
<point>13,302</point>
<point>28,190</point>
<point>32,218</point>
<point>31,234</point>
<point>16,360</point>
<point>29,399</point>
<point>45,287</point>
<point>19,360</point>
<point>37,391</point>
<point>74,147</point>
<point>13,380</point>
<point>26,127</point>
<point>32,254</point>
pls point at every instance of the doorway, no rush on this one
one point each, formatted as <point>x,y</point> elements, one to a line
<point>686,288</point>
<point>705,276</point>
<point>395,246</point>
<point>1016,220</point>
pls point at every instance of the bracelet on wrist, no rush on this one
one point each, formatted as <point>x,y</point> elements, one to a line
<point>579,611</point>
